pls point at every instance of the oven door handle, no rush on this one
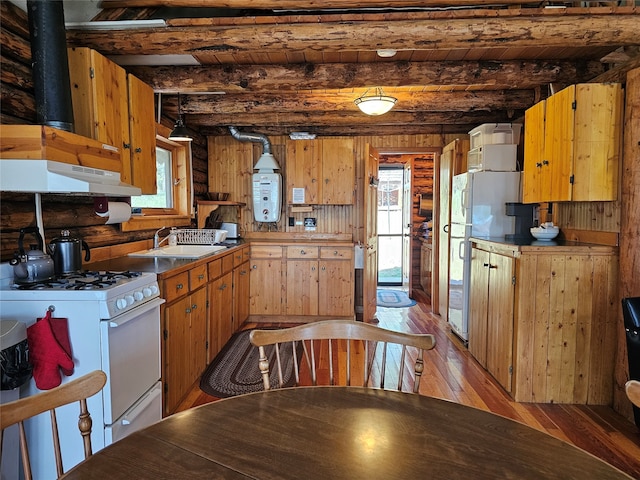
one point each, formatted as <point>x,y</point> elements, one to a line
<point>133,414</point>
<point>136,312</point>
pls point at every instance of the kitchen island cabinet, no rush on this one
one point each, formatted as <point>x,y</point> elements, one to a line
<point>556,305</point>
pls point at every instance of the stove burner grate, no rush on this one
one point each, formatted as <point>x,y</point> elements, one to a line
<point>86,280</point>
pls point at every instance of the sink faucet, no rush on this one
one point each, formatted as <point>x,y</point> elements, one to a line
<point>156,238</point>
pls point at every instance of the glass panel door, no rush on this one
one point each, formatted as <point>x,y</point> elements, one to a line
<point>390,225</point>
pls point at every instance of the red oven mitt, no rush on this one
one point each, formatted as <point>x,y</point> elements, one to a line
<point>47,353</point>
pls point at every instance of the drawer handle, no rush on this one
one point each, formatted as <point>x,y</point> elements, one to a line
<point>200,277</point>
<point>223,286</point>
<point>335,252</point>
<point>243,272</point>
<point>179,286</point>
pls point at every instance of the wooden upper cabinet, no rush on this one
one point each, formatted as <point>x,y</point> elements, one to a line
<point>117,109</point>
<point>324,168</point>
<point>338,171</point>
<point>572,145</point>
<point>142,128</point>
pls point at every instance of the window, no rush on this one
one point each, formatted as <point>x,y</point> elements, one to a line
<point>164,181</point>
<point>172,203</point>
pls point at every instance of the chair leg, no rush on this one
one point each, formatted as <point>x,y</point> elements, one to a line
<point>263,362</point>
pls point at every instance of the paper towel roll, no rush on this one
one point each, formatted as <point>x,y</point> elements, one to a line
<point>117,212</point>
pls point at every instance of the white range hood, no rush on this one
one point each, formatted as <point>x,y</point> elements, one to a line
<point>46,176</point>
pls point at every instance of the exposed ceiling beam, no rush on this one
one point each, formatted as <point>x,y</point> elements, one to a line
<point>299,5</point>
<point>316,118</point>
<point>485,101</point>
<point>278,78</point>
<point>459,33</point>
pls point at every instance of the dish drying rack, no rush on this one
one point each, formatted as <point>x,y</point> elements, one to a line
<point>195,236</point>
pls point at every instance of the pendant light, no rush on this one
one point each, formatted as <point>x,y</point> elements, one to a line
<point>376,104</point>
<point>180,132</point>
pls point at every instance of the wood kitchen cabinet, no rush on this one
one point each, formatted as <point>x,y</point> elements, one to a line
<point>319,281</point>
<point>241,286</point>
<point>572,145</point>
<point>335,282</point>
<point>324,169</point>
<point>545,316</point>
<point>116,108</point>
<point>266,288</point>
<point>491,313</point>
<point>220,326</point>
<point>185,317</point>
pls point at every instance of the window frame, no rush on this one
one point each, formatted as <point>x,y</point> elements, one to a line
<point>182,211</point>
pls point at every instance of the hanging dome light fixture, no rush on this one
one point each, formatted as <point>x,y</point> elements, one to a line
<point>180,132</point>
<point>376,104</point>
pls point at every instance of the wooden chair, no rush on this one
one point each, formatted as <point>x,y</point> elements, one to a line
<point>335,335</point>
<point>632,387</point>
<point>77,390</point>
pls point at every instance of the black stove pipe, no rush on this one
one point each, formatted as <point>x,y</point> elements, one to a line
<point>52,86</point>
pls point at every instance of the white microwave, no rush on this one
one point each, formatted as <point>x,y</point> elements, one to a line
<point>497,158</point>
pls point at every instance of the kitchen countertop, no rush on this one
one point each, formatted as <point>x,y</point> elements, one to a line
<point>158,265</point>
<point>539,246</point>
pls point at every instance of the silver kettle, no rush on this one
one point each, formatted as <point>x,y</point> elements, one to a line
<point>67,253</point>
<point>34,265</point>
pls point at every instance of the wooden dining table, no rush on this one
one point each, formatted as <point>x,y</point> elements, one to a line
<point>340,432</point>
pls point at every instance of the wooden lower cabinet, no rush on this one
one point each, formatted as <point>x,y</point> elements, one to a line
<point>316,280</point>
<point>543,319</point>
<point>266,285</point>
<point>491,314</point>
<point>204,306</point>
<point>241,287</point>
<point>184,352</point>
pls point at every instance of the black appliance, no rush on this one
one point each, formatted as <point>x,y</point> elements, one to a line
<point>15,368</point>
<point>631,314</point>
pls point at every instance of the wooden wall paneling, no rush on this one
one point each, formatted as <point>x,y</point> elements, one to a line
<point>629,233</point>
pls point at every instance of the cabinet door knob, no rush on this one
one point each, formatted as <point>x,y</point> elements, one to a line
<point>179,286</point>
<point>126,145</point>
<point>302,252</point>
<point>200,277</point>
<point>194,306</point>
<point>254,266</point>
<point>545,162</point>
<point>187,310</point>
<point>138,150</point>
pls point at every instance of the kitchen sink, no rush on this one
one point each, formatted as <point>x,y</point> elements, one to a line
<point>180,251</point>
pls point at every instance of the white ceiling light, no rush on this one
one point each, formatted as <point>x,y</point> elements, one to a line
<point>376,104</point>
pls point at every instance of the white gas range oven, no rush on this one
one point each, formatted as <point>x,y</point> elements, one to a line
<point>114,325</point>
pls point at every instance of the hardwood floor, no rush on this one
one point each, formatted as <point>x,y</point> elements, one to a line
<point>452,374</point>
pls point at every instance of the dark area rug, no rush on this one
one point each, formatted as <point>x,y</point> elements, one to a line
<point>394,298</point>
<point>234,371</point>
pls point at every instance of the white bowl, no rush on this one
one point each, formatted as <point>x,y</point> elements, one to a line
<point>545,233</point>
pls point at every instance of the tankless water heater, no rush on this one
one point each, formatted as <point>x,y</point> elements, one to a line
<point>267,192</point>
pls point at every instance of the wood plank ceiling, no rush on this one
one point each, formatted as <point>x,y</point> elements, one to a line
<point>277,66</point>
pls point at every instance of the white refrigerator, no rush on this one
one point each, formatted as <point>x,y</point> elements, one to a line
<point>477,210</point>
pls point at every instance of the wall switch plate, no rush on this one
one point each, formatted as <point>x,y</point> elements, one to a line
<point>292,222</point>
